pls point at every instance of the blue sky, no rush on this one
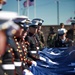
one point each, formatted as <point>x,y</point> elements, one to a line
<point>45,9</point>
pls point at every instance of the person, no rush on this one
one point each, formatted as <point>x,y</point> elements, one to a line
<point>7,29</point>
<point>33,39</point>
<point>62,41</point>
<point>62,26</point>
<point>51,38</point>
<point>40,32</point>
<point>2,49</point>
<point>18,46</point>
<point>71,31</point>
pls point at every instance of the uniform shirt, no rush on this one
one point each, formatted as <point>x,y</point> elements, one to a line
<point>42,38</point>
<point>61,43</point>
<point>71,34</point>
<point>34,46</point>
<point>51,40</point>
<point>33,40</point>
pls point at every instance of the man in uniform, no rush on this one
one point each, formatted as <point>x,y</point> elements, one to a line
<point>71,31</point>
<point>2,49</point>
<point>7,30</point>
<point>40,32</point>
<point>34,41</point>
<point>18,45</point>
<point>62,41</point>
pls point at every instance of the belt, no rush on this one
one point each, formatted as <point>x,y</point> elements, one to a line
<point>17,63</point>
<point>8,66</point>
<point>33,52</point>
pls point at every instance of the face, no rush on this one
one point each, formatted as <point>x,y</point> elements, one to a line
<point>33,30</point>
<point>19,32</point>
<point>73,26</point>
<point>63,36</point>
<point>62,26</point>
<point>3,42</point>
<point>39,27</point>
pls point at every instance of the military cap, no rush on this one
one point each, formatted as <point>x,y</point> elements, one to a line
<point>73,22</point>
<point>39,20</point>
<point>61,31</point>
<point>6,22</point>
<point>34,24</point>
<point>21,21</point>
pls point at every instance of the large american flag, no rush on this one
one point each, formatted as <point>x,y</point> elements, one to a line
<point>69,20</point>
<point>30,3</point>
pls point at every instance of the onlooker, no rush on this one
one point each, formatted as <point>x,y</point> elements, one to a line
<point>40,32</point>
<point>62,26</point>
<point>71,32</point>
<point>62,41</point>
<point>51,38</point>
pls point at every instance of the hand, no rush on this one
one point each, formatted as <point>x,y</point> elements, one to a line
<point>34,63</point>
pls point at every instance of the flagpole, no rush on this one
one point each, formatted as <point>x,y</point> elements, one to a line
<point>28,8</point>
<point>34,8</point>
<point>18,6</point>
<point>58,12</point>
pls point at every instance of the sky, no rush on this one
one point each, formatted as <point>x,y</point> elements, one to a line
<point>45,9</point>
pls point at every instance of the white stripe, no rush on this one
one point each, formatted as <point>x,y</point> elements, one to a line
<point>17,63</point>
<point>33,51</point>
<point>8,66</point>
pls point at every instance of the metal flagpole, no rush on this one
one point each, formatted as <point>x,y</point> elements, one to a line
<point>34,8</point>
<point>18,7</point>
<point>28,8</point>
<point>57,12</point>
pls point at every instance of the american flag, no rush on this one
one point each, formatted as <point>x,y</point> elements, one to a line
<point>69,20</point>
<point>30,3</point>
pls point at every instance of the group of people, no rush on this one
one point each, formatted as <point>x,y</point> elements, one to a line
<point>63,37</point>
<point>19,42</point>
<point>21,39</point>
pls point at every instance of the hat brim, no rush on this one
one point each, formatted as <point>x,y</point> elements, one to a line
<point>61,34</point>
<point>34,26</point>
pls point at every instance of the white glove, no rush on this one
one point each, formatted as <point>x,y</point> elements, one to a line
<point>34,63</point>
<point>27,72</point>
<point>41,58</point>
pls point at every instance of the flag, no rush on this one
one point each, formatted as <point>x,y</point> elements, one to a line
<point>69,20</point>
<point>30,3</point>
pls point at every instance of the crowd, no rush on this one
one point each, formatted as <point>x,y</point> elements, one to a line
<point>21,39</point>
<point>61,38</point>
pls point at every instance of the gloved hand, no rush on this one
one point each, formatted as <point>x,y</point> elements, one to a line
<point>27,72</point>
<point>34,63</point>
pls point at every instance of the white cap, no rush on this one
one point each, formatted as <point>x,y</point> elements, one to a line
<point>21,19</point>
<point>73,21</point>
<point>6,15</point>
<point>61,31</point>
<point>38,19</point>
<point>34,24</point>
<point>6,18</point>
